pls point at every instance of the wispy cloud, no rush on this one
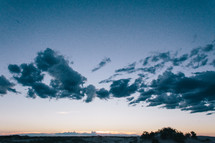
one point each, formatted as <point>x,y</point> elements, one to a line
<point>102,64</point>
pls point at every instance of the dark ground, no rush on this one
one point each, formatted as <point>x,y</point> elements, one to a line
<point>91,139</point>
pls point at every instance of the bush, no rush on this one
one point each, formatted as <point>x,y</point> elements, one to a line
<point>146,135</point>
<point>193,135</point>
<point>169,133</point>
<point>155,141</point>
<point>187,135</point>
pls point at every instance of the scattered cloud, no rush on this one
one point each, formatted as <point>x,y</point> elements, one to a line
<point>157,83</point>
<point>102,64</point>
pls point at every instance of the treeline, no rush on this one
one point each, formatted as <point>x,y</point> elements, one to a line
<point>168,133</point>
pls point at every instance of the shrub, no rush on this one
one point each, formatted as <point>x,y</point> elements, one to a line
<point>193,135</point>
<point>155,141</point>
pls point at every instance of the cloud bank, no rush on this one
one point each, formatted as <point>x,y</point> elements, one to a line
<point>159,80</point>
<point>170,88</point>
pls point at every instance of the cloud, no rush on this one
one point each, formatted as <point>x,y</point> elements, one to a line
<point>198,61</point>
<point>161,56</point>
<point>65,83</point>
<point>28,74</point>
<point>208,48</point>
<point>161,80</point>
<point>110,79</point>
<point>155,63</point>
<point>178,61</point>
<point>6,85</point>
<point>121,88</point>
<point>43,90</point>
<point>129,69</point>
<point>68,82</point>
<point>90,91</point>
<point>14,68</point>
<point>151,69</point>
<point>194,94</point>
<point>102,64</point>
<point>103,93</point>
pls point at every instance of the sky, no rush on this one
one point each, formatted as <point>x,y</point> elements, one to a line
<point>115,66</point>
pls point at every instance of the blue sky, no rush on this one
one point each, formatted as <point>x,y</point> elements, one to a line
<point>87,33</point>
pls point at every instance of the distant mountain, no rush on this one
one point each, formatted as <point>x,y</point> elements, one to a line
<point>93,133</point>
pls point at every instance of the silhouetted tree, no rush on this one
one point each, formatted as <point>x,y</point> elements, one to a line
<point>170,133</point>
<point>179,137</point>
<point>167,133</point>
<point>187,135</point>
<point>151,135</point>
<point>145,135</point>
<point>193,135</point>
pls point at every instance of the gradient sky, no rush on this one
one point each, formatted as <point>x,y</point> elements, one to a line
<point>107,35</point>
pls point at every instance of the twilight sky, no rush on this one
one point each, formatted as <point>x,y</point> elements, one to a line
<point>118,66</point>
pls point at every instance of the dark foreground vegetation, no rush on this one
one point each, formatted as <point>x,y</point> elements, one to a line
<point>71,139</point>
<point>164,135</point>
<point>173,135</point>
<point>168,134</point>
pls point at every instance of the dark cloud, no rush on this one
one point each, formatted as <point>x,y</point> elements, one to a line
<point>199,56</point>
<point>151,69</point>
<point>180,60</point>
<point>6,85</point>
<point>195,93</point>
<point>102,64</point>
<point>31,93</point>
<point>14,68</point>
<point>44,91</point>
<point>168,101</point>
<point>90,92</point>
<point>146,61</point>
<point>66,82</point>
<point>209,113</point>
<point>103,93</point>
<point>194,52</point>
<point>128,69</point>
<point>201,107</point>
<point>28,74</point>
<point>208,48</point>
<point>161,56</point>
<point>170,90</point>
<point>121,88</point>
<point>198,61</point>
<point>155,63</point>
